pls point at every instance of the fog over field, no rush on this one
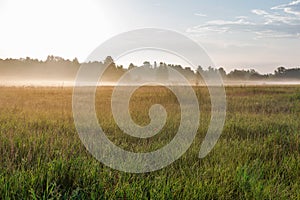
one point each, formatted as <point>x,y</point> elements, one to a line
<point>56,71</point>
<point>57,83</point>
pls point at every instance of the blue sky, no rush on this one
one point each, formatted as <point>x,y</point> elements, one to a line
<point>236,34</point>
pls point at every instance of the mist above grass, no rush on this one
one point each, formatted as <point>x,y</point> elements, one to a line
<point>56,71</point>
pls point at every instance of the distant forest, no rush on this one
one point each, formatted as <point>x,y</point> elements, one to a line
<point>59,69</point>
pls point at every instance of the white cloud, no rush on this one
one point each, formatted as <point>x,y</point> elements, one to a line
<point>241,17</point>
<point>203,29</point>
<point>228,22</point>
<point>292,8</point>
<point>220,26</point>
<point>291,11</point>
<point>271,18</point>
<point>200,14</point>
<point>259,12</point>
<point>281,21</point>
<point>282,6</point>
<point>275,34</point>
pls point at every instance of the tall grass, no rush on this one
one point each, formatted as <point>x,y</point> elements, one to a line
<point>257,156</point>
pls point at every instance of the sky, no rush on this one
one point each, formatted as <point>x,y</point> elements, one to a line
<point>260,35</point>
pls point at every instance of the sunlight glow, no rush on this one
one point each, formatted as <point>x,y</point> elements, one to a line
<point>64,28</point>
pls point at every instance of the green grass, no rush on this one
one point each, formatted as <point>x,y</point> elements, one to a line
<point>257,156</point>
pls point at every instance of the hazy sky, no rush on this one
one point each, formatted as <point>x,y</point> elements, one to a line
<point>236,34</point>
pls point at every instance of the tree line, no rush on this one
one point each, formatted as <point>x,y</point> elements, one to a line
<point>58,68</point>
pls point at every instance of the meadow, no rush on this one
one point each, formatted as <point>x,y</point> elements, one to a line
<point>257,156</point>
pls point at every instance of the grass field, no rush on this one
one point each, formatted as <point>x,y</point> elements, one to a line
<point>257,156</point>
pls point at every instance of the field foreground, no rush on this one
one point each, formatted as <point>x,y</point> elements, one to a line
<point>257,156</point>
